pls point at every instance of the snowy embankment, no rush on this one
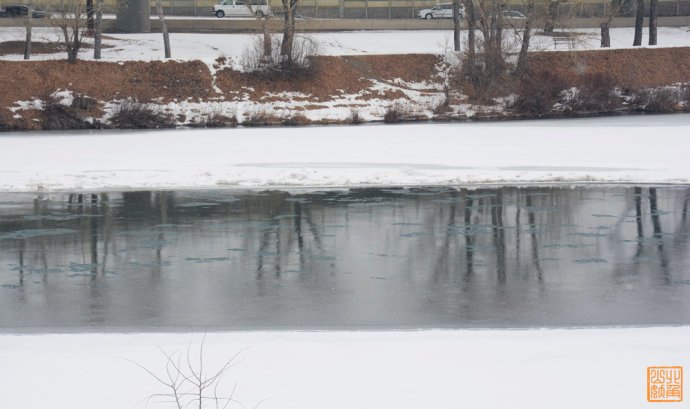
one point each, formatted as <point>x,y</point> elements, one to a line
<point>564,368</point>
<point>650,149</point>
<point>208,47</point>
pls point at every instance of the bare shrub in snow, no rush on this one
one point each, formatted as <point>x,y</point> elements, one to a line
<point>261,117</point>
<point>538,93</point>
<point>596,94</point>
<point>664,99</point>
<point>472,78</point>
<point>296,120</point>
<point>135,115</point>
<point>57,115</point>
<point>189,383</point>
<point>300,66</point>
<point>400,111</point>
<point>84,103</point>
<point>354,117</point>
<point>684,96</point>
<point>215,117</point>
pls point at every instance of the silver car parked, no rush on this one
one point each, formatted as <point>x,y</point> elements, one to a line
<point>443,10</point>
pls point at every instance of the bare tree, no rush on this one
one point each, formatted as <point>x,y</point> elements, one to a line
<point>456,25</point>
<point>29,24</point>
<point>471,28</point>
<point>90,25</point>
<point>98,30</point>
<point>614,9</point>
<point>289,7</point>
<point>491,27</point>
<point>652,22</point>
<point>639,21</point>
<point>551,16</point>
<point>531,14</point>
<point>164,28</point>
<point>264,22</point>
<point>70,20</point>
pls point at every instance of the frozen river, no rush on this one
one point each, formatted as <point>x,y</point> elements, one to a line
<point>347,259</point>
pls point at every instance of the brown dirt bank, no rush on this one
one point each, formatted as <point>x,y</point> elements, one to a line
<point>333,76</point>
<point>629,68</point>
<point>105,81</point>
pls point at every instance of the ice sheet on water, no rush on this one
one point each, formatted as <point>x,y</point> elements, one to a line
<point>590,260</point>
<point>33,233</point>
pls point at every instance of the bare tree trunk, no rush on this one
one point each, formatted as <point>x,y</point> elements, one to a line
<point>164,28</point>
<point>551,14</point>
<point>639,21</point>
<point>456,25</point>
<point>89,17</point>
<point>471,27</point>
<point>288,31</point>
<point>98,30</point>
<point>268,46</point>
<point>605,35</point>
<point>526,37</point>
<point>29,24</point>
<point>652,22</point>
<point>76,37</point>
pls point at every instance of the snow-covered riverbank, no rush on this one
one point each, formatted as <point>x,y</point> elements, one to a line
<point>651,149</point>
<point>309,370</point>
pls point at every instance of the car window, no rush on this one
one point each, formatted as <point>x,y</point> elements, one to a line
<point>240,2</point>
<point>436,8</point>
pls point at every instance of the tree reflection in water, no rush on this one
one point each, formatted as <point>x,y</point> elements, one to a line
<point>441,257</point>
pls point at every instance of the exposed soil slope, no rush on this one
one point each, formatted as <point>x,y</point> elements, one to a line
<point>347,82</point>
<point>629,68</point>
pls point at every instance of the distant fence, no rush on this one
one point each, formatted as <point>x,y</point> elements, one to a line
<point>394,9</point>
<point>378,9</point>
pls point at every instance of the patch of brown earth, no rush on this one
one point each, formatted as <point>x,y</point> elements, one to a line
<point>630,68</point>
<point>407,67</point>
<point>37,47</point>
<point>106,81</point>
<point>330,76</point>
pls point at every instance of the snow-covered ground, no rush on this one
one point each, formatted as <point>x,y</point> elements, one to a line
<point>540,368</point>
<point>624,149</point>
<point>208,47</point>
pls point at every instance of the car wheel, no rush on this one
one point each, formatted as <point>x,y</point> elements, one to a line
<point>428,16</point>
<point>220,14</point>
<point>259,13</point>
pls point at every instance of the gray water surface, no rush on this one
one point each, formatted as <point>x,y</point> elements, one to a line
<point>356,259</point>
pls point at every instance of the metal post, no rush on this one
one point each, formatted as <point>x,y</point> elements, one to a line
<point>366,9</point>
<point>341,12</point>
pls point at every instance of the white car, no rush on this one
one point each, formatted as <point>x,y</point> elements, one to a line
<point>443,10</point>
<point>241,8</point>
<point>513,15</point>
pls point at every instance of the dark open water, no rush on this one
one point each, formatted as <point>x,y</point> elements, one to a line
<point>362,259</point>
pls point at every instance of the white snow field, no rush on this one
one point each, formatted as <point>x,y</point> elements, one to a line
<point>650,149</point>
<point>208,47</point>
<point>540,368</point>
